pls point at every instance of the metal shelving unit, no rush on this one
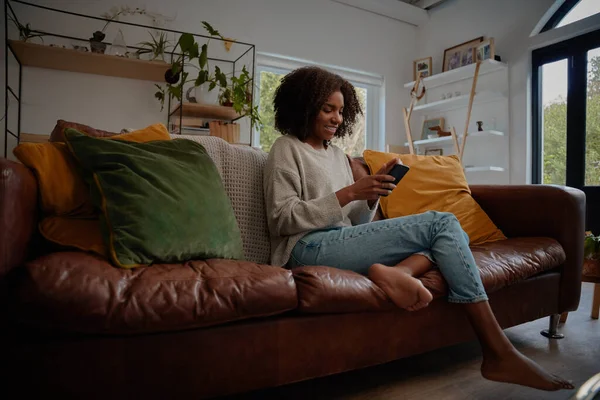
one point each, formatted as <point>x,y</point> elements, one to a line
<point>64,59</point>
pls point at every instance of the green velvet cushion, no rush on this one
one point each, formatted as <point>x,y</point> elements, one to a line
<point>161,201</point>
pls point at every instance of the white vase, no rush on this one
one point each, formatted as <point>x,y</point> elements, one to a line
<point>204,96</point>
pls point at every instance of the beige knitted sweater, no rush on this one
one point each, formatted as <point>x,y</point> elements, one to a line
<point>300,184</point>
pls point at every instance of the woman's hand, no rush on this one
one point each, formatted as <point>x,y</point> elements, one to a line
<point>369,187</point>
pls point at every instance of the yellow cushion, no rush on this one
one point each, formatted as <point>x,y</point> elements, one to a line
<point>82,234</point>
<point>435,183</point>
<point>62,188</point>
<point>69,217</point>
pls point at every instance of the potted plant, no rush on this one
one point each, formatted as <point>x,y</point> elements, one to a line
<point>591,254</point>
<point>25,31</point>
<point>233,90</point>
<point>156,48</point>
<point>96,41</point>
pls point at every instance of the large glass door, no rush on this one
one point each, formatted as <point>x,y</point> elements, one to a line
<point>566,118</point>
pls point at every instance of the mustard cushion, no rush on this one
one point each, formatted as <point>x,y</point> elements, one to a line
<point>435,183</point>
<point>82,234</point>
<point>64,192</point>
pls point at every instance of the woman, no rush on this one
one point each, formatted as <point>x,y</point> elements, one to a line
<point>318,215</point>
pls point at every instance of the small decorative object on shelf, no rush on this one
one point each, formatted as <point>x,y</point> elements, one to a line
<point>440,131</point>
<point>96,42</point>
<point>460,55</point>
<point>119,47</point>
<point>422,67</point>
<point>486,50</point>
<point>434,152</point>
<point>431,123</point>
<point>479,126</point>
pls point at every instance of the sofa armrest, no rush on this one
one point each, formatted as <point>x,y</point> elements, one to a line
<point>551,211</point>
<point>18,213</point>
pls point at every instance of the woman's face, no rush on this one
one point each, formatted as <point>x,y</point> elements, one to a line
<point>328,119</point>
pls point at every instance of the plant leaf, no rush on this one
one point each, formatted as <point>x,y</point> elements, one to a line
<point>212,31</point>
<point>193,53</point>
<point>202,78</point>
<point>175,91</point>
<point>204,56</point>
<point>212,85</point>
<point>186,42</point>
<point>220,76</point>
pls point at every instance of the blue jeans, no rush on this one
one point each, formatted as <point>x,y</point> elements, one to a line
<point>436,235</point>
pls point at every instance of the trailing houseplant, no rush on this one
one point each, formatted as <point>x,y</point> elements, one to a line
<point>233,89</point>
<point>96,41</point>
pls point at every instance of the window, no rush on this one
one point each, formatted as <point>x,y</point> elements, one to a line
<point>572,11</point>
<point>367,133</point>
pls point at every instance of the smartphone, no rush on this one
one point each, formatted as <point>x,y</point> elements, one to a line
<point>398,171</point>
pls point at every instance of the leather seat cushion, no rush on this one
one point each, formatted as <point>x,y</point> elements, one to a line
<point>79,292</point>
<point>501,263</point>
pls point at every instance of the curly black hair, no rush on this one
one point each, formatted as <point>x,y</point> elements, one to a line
<point>301,95</point>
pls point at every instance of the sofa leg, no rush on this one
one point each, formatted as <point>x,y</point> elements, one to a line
<point>551,332</point>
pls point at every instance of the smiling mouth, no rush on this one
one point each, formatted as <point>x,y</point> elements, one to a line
<point>331,129</point>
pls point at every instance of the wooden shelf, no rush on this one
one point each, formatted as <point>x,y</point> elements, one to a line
<point>484,169</point>
<point>457,102</point>
<point>460,74</point>
<point>207,111</point>
<point>442,140</point>
<point>41,56</point>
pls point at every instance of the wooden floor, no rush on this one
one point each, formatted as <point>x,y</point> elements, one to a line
<point>453,373</point>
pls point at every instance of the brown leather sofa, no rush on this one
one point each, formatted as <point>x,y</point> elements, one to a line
<point>74,326</point>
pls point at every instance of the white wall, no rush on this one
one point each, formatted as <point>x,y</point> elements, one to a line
<point>319,30</point>
<point>510,22</point>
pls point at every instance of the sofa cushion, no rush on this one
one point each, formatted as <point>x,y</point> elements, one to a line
<point>241,169</point>
<point>58,133</point>
<point>502,263</point>
<point>80,292</point>
<point>435,183</point>
<point>161,201</point>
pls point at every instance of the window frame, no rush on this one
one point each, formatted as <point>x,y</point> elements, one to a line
<point>560,14</point>
<point>375,109</point>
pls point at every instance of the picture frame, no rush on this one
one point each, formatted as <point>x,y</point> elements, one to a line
<point>422,66</point>
<point>460,55</point>
<point>430,123</point>
<point>486,50</point>
<point>434,152</point>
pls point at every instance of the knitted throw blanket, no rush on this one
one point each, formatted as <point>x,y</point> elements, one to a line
<point>241,169</point>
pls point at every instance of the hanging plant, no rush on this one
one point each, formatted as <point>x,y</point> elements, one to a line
<point>233,90</point>
<point>25,31</point>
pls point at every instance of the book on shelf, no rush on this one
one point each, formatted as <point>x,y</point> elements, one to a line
<point>190,130</point>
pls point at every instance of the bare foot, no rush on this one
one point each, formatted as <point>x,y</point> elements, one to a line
<point>404,290</point>
<point>514,367</point>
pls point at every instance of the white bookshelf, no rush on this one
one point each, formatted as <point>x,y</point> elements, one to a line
<point>460,74</point>
<point>448,139</point>
<point>455,103</point>
<point>486,153</point>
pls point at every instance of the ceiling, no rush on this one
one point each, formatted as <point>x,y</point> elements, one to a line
<point>424,4</point>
